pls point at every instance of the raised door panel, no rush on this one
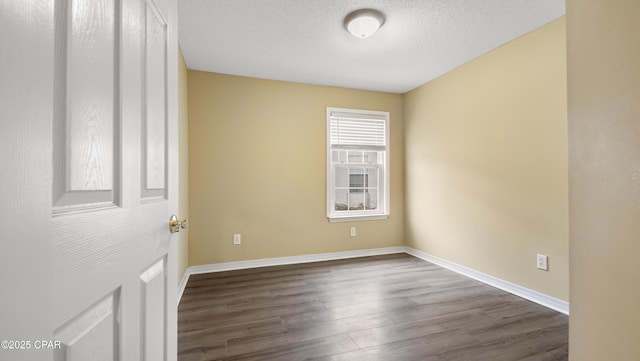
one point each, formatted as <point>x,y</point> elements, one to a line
<point>94,334</point>
<point>154,303</point>
<point>86,103</point>
<point>154,127</point>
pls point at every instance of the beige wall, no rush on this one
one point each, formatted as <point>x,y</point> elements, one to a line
<point>486,163</point>
<point>257,167</point>
<point>604,182</point>
<point>183,167</point>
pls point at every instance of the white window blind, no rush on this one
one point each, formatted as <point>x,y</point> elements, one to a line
<point>357,131</point>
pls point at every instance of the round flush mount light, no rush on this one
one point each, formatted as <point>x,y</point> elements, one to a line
<point>364,22</point>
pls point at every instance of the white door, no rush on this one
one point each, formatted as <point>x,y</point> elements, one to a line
<point>107,137</point>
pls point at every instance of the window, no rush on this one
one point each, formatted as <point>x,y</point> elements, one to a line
<point>357,164</point>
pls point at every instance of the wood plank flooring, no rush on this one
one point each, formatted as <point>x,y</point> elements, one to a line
<point>388,308</point>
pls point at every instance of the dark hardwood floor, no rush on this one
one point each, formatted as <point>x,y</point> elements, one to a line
<point>388,308</point>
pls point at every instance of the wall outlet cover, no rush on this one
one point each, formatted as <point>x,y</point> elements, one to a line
<point>541,262</point>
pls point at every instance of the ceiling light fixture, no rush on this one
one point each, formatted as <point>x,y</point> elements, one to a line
<point>364,22</point>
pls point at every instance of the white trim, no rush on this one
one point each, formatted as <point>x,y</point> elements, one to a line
<point>266,262</point>
<point>531,295</point>
<point>183,284</point>
<point>354,218</point>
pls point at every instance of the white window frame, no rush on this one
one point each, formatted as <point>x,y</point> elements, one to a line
<point>382,211</point>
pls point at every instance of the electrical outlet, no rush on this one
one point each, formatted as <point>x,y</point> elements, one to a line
<point>236,238</point>
<point>542,262</point>
<point>353,231</point>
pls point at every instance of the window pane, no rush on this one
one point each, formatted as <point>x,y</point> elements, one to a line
<point>371,157</point>
<point>356,199</point>
<point>342,177</point>
<point>339,156</point>
<point>342,203</point>
<point>355,157</point>
<point>372,200</point>
<point>372,177</point>
<point>356,170</point>
<point>358,181</point>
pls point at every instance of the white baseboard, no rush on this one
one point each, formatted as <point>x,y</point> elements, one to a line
<point>266,262</point>
<point>531,295</point>
<point>183,285</point>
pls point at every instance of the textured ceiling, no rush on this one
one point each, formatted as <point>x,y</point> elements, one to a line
<point>304,40</point>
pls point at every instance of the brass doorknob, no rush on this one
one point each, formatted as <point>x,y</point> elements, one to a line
<point>175,224</point>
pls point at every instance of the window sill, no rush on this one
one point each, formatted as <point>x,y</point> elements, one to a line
<point>356,218</point>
